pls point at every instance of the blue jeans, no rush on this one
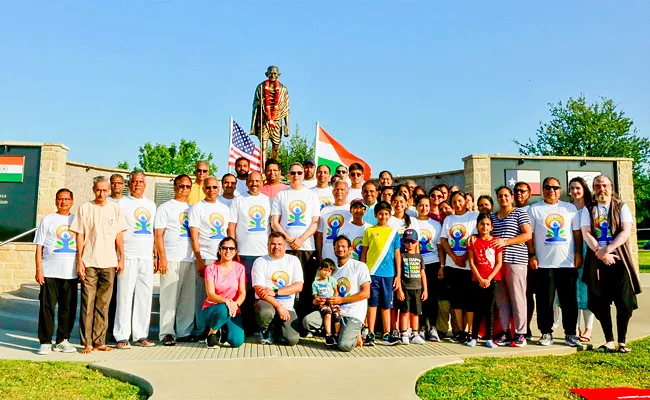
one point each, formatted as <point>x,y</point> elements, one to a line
<point>216,316</point>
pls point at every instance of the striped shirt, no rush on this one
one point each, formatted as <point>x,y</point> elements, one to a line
<point>508,228</point>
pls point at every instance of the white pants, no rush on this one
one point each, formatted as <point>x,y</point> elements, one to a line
<point>177,290</point>
<point>133,313</point>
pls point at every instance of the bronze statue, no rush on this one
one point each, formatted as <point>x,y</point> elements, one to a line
<point>270,109</point>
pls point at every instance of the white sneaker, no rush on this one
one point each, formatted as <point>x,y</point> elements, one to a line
<point>405,338</point>
<point>433,335</point>
<point>44,349</point>
<point>417,339</point>
<point>65,347</point>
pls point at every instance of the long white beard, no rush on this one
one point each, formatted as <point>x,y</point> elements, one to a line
<point>603,197</point>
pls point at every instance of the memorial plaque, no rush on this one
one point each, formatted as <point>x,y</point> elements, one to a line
<point>164,193</point>
<point>19,170</point>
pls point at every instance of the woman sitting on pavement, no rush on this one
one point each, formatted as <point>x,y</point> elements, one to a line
<point>225,286</point>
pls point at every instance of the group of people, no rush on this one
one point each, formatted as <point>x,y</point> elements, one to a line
<point>250,256</point>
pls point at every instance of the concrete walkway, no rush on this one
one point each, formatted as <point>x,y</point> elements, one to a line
<point>190,371</point>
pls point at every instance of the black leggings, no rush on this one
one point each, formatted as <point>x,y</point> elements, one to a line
<point>430,306</point>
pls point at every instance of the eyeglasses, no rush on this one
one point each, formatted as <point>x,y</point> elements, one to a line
<point>355,174</point>
<point>549,187</point>
<point>295,173</point>
<point>228,248</point>
<point>184,186</point>
<point>205,171</point>
<point>437,196</point>
<point>212,187</point>
<point>522,190</point>
<point>341,171</point>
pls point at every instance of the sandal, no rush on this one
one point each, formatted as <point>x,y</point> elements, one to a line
<point>168,340</point>
<point>623,349</point>
<point>584,339</point>
<point>123,344</point>
<point>604,349</point>
<point>144,343</point>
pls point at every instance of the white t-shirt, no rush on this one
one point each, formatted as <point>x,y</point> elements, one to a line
<point>296,209</point>
<point>400,225</point>
<point>552,232</point>
<point>241,187</point>
<point>59,246</point>
<point>138,238</point>
<point>412,211</point>
<point>429,240</point>
<point>226,201</point>
<point>349,278</point>
<point>311,183</point>
<point>252,215</point>
<point>325,196</point>
<point>172,216</point>
<point>212,220</point>
<point>278,273</point>
<point>112,200</point>
<point>353,194</point>
<point>601,225</point>
<point>457,229</point>
<point>332,219</point>
<point>355,234</point>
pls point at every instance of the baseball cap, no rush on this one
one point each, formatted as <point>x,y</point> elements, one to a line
<point>308,161</point>
<point>357,201</point>
<point>410,234</point>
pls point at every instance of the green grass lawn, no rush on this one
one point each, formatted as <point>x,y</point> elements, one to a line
<point>60,380</point>
<point>644,260</point>
<point>548,377</point>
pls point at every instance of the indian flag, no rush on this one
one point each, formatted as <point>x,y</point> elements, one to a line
<point>331,153</point>
<point>12,168</point>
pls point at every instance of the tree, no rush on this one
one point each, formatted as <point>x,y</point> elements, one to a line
<point>173,159</point>
<point>595,130</point>
<point>123,165</point>
<point>296,151</point>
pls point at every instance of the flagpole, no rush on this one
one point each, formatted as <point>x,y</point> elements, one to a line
<point>229,146</point>
<point>316,145</point>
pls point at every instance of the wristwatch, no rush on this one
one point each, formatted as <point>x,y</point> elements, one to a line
<point>275,290</point>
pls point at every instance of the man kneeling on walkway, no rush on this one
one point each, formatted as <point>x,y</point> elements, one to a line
<point>277,277</point>
<point>353,289</point>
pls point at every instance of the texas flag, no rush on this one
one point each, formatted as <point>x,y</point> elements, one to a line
<point>531,177</point>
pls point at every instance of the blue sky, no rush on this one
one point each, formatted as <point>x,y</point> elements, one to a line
<point>410,86</point>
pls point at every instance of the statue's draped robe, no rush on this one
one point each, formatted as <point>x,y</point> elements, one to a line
<point>260,126</point>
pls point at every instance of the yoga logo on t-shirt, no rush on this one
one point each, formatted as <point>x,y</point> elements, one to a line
<point>356,247</point>
<point>343,286</point>
<point>297,210</point>
<point>603,232</point>
<point>280,279</point>
<point>216,226</point>
<point>555,229</point>
<point>324,201</point>
<point>65,240</point>
<point>334,223</point>
<point>185,225</point>
<point>425,242</point>
<point>142,217</point>
<point>458,236</point>
<point>256,221</point>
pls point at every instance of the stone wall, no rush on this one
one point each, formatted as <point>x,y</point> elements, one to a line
<point>477,175</point>
<point>626,191</point>
<point>428,181</point>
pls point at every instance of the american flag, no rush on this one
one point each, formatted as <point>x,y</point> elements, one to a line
<point>241,145</point>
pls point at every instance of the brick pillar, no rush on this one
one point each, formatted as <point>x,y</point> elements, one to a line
<point>477,174</point>
<point>626,191</point>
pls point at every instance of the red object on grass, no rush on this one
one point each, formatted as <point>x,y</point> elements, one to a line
<point>612,393</point>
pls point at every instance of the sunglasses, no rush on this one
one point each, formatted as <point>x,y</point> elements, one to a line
<point>437,196</point>
<point>184,186</point>
<point>228,248</point>
<point>520,190</point>
<point>340,171</point>
<point>295,173</point>
<point>205,171</point>
<point>212,187</point>
<point>549,187</point>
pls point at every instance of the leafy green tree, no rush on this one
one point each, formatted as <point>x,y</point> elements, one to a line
<point>173,159</point>
<point>123,165</point>
<point>296,150</point>
<point>600,129</point>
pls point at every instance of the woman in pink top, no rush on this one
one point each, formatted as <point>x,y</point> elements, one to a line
<point>225,286</point>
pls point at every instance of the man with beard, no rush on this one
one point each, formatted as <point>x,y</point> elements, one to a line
<point>609,273</point>
<point>273,174</point>
<point>310,169</point>
<point>229,188</point>
<point>242,168</point>
<point>323,189</point>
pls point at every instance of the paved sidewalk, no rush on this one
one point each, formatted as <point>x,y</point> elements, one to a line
<point>190,371</point>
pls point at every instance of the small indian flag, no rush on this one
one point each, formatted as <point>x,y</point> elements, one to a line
<point>331,153</point>
<point>12,168</point>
